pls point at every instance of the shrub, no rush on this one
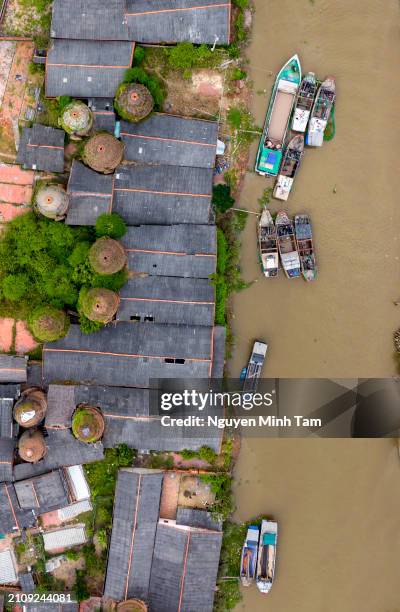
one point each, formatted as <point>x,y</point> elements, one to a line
<point>222,198</point>
<point>15,286</point>
<point>242,4</point>
<point>48,323</point>
<point>111,225</point>
<point>139,55</point>
<point>185,56</point>
<point>87,326</point>
<point>207,454</point>
<point>81,590</point>
<point>153,84</point>
<point>234,118</point>
<point>238,74</point>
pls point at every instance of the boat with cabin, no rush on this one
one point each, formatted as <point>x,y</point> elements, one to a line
<point>287,245</point>
<point>268,245</point>
<point>321,112</point>
<point>289,168</point>
<point>305,247</point>
<point>284,92</point>
<point>254,368</point>
<point>267,555</point>
<point>248,561</point>
<point>304,102</point>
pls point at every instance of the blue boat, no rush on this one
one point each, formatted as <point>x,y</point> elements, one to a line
<point>248,561</point>
<point>283,98</point>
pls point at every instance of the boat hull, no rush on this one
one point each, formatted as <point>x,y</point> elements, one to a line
<point>267,556</point>
<point>267,245</point>
<point>304,103</point>
<point>289,168</point>
<point>287,246</point>
<point>305,247</point>
<point>321,113</point>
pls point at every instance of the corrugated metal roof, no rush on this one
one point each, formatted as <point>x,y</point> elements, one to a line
<point>73,510</point>
<point>194,517</point>
<point>196,21</point>
<point>184,301</point>
<point>130,354</point>
<point>26,582</point>
<point>78,483</point>
<point>136,510</point>
<point>8,573</point>
<point>90,195</point>
<point>12,369</point>
<point>64,538</point>
<point>89,19</point>
<point>163,194</point>
<point>171,140</point>
<point>42,148</point>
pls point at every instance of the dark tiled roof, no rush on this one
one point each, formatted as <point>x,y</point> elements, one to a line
<point>12,369</point>
<point>86,68</point>
<point>60,406</point>
<point>194,517</point>
<point>8,394</point>
<point>184,301</point>
<point>104,121</point>
<point>7,446</point>
<point>174,250</point>
<point>163,194</point>
<point>26,582</point>
<point>171,140</point>
<point>63,450</point>
<point>129,354</point>
<point>43,493</point>
<point>184,569</point>
<point>136,510</point>
<point>90,195</point>
<point>42,148</point>
<point>219,352</point>
<point>89,19</point>
<point>168,21</point>
<point>12,517</point>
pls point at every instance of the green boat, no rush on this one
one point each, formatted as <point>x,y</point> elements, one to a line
<point>270,150</point>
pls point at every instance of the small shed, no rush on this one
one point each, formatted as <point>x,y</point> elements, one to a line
<point>8,573</point>
<point>42,148</point>
<point>64,538</point>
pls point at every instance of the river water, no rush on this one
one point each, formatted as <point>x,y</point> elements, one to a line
<point>337,501</point>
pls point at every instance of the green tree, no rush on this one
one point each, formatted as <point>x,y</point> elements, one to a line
<point>111,225</point>
<point>221,198</point>
<point>15,286</point>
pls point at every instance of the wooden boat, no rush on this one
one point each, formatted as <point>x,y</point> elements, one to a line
<point>287,245</point>
<point>267,244</point>
<point>254,367</point>
<point>321,112</point>
<point>289,168</point>
<point>267,556</point>
<point>304,102</point>
<point>280,108</point>
<point>302,226</point>
<point>248,561</point>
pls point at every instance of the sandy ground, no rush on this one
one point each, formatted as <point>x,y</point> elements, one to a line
<point>24,341</point>
<point>6,334</point>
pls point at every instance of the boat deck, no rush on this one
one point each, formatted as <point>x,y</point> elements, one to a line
<point>280,117</point>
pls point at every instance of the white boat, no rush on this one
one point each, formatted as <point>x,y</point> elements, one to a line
<point>321,112</point>
<point>252,372</point>
<point>287,245</point>
<point>267,556</point>
<point>248,561</point>
<point>268,245</point>
<point>304,102</point>
<point>289,168</point>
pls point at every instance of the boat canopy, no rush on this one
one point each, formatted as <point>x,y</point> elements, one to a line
<point>270,161</point>
<point>269,539</point>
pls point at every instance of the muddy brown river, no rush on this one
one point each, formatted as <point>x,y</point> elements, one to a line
<point>337,501</point>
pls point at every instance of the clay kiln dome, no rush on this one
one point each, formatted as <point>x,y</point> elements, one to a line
<point>87,424</point>
<point>77,119</point>
<point>107,256</point>
<point>52,201</point>
<point>31,446</point>
<point>100,304</point>
<point>134,102</point>
<point>49,324</point>
<point>103,153</point>
<point>31,408</point>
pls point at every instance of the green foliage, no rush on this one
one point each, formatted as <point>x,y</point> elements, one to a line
<point>205,453</point>
<point>111,225</point>
<point>242,4</point>
<point>242,122</point>
<point>72,555</point>
<point>221,197</point>
<point>153,84</point>
<point>221,486</point>
<point>101,475</point>
<point>63,101</point>
<point>139,55</point>
<point>102,538</point>
<point>266,197</point>
<point>238,74</point>
<point>221,289</point>
<point>81,590</point>
<point>87,326</point>
<point>34,68</point>
<point>15,286</point>
<point>234,118</point>
<point>48,324</point>
<point>160,460</point>
<point>185,56</point>
<point>227,596</point>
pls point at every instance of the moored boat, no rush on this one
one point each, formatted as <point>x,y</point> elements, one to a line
<point>321,113</point>
<point>254,367</point>
<point>268,245</point>
<point>267,556</point>
<point>304,102</point>
<point>289,168</point>
<point>302,226</point>
<point>287,245</point>
<point>280,108</point>
<point>248,561</point>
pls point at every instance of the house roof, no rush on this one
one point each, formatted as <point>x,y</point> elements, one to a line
<point>7,567</point>
<point>60,406</point>
<point>136,510</point>
<point>168,21</point>
<point>43,493</point>
<point>89,19</point>
<point>90,194</point>
<point>171,140</point>
<point>184,569</point>
<point>127,354</point>
<point>12,369</point>
<point>8,394</point>
<point>162,194</point>
<point>86,68</point>
<point>168,299</point>
<point>62,450</point>
<point>64,538</point>
<point>12,517</point>
<point>219,351</point>
<point>194,517</point>
<point>7,446</point>
<point>26,582</point>
<point>104,121</point>
<point>172,250</point>
<point>42,148</point>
